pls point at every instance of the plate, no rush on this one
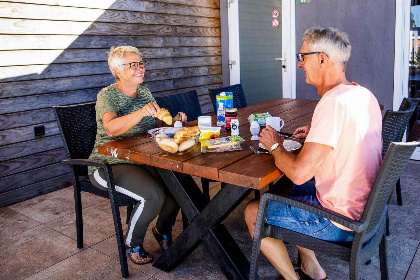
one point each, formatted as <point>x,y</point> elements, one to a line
<point>170,131</point>
<point>289,145</point>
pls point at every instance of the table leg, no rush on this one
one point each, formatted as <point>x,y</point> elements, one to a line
<point>205,226</point>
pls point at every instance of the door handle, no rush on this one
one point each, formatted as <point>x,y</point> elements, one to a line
<point>283,60</point>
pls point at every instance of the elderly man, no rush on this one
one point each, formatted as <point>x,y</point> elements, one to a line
<point>342,151</point>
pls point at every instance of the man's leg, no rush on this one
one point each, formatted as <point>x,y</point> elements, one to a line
<point>310,265</point>
<point>276,251</point>
<point>273,249</point>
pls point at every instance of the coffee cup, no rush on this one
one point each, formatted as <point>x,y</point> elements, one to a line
<point>204,121</point>
<point>275,122</point>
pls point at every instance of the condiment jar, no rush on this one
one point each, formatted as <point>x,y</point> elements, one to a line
<point>231,113</point>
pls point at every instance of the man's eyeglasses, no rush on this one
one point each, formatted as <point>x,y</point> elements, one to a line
<point>136,64</point>
<point>301,56</point>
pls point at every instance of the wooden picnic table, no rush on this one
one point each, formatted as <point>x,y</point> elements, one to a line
<point>240,172</point>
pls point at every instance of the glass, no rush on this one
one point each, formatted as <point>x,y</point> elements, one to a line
<point>136,64</point>
<point>301,56</point>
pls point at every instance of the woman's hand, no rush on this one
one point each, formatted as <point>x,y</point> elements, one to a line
<point>150,109</point>
<point>180,117</point>
<point>269,136</point>
<point>302,132</point>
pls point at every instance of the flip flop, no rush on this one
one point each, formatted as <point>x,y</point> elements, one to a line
<point>304,276</point>
<point>143,254</point>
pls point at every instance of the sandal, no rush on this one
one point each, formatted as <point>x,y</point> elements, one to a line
<point>163,240</point>
<point>147,258</point>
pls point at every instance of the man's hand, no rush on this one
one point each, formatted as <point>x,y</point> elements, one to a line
<point>302,132</point>
<point>181,117</point>
<point>269,136</point>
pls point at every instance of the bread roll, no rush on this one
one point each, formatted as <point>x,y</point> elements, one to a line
<point>169,145</point>
<point>160,136</point>
<point>186,145</point>
<point>165,116</point>
<point>185,133</point>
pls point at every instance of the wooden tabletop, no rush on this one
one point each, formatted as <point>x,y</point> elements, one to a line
<point>241,168</point>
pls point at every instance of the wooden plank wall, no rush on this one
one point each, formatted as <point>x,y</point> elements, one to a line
<point>54,52</point>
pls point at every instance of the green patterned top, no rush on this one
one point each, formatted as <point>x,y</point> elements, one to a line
<point>111,99</point>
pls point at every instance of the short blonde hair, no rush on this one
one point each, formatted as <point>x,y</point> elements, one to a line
<point>115,57</point>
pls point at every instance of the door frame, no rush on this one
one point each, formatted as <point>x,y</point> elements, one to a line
<point>402,51</point>
<point>230,24</point>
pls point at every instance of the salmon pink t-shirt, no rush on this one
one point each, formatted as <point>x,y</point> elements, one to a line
<point>348,119</point>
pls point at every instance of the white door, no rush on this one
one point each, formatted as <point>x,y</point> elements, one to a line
<point>262,48</point>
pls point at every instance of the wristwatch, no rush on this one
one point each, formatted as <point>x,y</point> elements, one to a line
<point>275,146</point>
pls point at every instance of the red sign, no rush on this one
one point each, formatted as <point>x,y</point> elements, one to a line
<point>275,14</point>
<point>275,23</point>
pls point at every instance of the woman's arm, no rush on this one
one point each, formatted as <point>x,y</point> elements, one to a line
<point>116,126</point>
<point>179,117</point>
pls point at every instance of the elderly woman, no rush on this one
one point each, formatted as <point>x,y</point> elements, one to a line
<point>123,109</point>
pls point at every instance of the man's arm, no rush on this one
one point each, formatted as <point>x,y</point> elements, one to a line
<point>301,168</point>
<point>298,168</point>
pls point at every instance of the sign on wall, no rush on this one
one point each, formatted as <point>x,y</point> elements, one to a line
<point>303,1</point>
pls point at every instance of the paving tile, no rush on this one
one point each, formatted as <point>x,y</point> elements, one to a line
<point>414,270</point>
<point>53,205</point>
<point>198,266</point>
<point>34,250</point>
<point>404,221</point>
<point>13,224</point>
<point>98,223</point>
<point>88,264</point>
<point>400,252</point>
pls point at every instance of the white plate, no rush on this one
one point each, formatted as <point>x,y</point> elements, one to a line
<point>170,131</point>
<point>289,145</point>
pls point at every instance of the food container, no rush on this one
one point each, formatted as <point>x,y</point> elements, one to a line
<point>209,133</point>
<point>164,139</point>
<point>223,144</point>
<point>260,118</point>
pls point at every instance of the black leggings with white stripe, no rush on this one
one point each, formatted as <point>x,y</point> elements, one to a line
<point>144,184</point>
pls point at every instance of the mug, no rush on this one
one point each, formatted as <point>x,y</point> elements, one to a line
<point>275,122</point>
<point>204,121</point>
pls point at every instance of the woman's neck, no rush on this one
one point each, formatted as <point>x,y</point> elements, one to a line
<point>129,90</point>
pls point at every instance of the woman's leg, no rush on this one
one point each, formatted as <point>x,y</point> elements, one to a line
<point>138,183</point>
<point>170,208</point>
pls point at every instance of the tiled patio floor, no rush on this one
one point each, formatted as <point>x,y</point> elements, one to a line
<point>38,241</point>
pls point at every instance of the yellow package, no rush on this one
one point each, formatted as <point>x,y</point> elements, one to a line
<point>209,133</point>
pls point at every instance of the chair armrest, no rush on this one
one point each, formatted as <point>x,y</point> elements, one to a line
<point>101,163</point>
<point>357,226</point>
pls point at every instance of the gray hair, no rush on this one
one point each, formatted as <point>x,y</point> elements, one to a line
<point>334,43</point>
<point>115,57</point>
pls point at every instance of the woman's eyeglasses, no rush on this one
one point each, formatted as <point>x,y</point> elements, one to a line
<point>136,64</point>
<point>301,56</point>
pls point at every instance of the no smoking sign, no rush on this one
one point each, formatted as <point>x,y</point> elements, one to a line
<point>275,23</point>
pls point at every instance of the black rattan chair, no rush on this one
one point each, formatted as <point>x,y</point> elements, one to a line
<point>184,102</point>
<point>394,125</point>
<point>369,230</point>
<point>414,132</point>
<point>239,100</point>
<point>77,125</point>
